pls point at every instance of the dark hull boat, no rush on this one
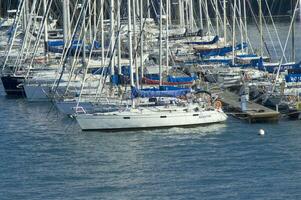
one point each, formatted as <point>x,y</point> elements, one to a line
<point>283,107</point>
<point>294,114</point>
<point>13,85</point>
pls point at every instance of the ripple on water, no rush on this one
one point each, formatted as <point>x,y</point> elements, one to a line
<point>44,155</point>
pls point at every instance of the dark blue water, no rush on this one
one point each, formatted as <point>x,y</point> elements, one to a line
<point>44,155</point>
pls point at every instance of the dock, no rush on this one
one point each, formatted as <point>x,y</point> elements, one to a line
<point>254,112</point>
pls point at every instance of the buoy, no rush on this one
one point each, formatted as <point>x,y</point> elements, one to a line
<point>261,132</point>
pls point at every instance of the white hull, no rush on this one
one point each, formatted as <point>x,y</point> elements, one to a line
<point>145,118</point>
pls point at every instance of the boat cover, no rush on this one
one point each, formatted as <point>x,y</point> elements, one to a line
<point>163,91</point>
<point>215,40</point>
<point>293,78</point>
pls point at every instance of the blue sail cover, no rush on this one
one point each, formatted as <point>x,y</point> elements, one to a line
<point>57,46</point>
<point>152,76</point>
<point>221,51</point>
<point>171,79</point>
<point>293,78</point>
<point>186,79</point>
<point>215,40</point>
<point>163,91</point>
<point>225,60</point>
<point>274,68</point>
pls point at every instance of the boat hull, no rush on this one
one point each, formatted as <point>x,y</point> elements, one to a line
<point>129,120</point>
<point>13,85</point>
<point>37,93</point>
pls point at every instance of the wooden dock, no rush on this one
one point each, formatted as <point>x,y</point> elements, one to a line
<point>254,113</point>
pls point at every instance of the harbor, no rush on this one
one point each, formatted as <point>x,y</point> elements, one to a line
<point>150,99</point>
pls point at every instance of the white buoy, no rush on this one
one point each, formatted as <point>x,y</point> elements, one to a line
<point>261,132</point>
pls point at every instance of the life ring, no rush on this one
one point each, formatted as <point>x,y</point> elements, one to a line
<point>292,98</point>
<point>247,77</point>
<point>218,105</point>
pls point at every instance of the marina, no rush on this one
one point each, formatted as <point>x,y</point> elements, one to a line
<point>150,99</point>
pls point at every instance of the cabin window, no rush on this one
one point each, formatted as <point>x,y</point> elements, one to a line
<point>195,115</point>
<point>163,116</point>
<point>126,118</point>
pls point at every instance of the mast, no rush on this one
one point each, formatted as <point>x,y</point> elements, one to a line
<point>119,39</point>
<point>45,28</point>
<point>160,44</point>
<point>233,34</point>
<point>148,9</point>
<point>201,15</point>
<point>102,34</point>
<point>293,32</point>
<point>66,19</point>
<point>190,14</point>
<point>112,29</point>
<point>141,39</point>
<point>25,14</point>
<point>167,30</point>
<point>90,21</point>
<point>245,22</point>
<point>207,16</point>
<point>25,17</point>
<point>135,43</point>
<point>240,24</point>
<point>84,60</point>
<point>216,15</point>
<point>260,26</point>
<point>95,17</point>
<point>169,10</point>
<point>225,20</point>
<point>181,10</point>
<point>130,43</point>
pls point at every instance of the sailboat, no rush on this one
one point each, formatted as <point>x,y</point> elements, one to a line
<point>188,112</point>
<point>150,117</point>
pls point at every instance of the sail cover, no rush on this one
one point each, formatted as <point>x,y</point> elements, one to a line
<point>220,51</point>
<point>56,46</point>
<point>163,91</point>
<point>184,79</point>
<point>293,78</point>
<point>274,68</point>
<point>215,40</point>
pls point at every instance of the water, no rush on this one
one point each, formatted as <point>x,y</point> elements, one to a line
<point>44,155</point>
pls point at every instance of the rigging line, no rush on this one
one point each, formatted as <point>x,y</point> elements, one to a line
<point>90,55</point>
<point>286,43</point>
<point>270,36</point>
<point>257,26</point>
<point>244,26</point>
<point>39,36</point>
<point>111,56</point>
<point>278,38</point>
<point>28,39</point>
<point>66,44</point>
<point>68,50</point>
<point>12,37</point>
<point>76,57</point>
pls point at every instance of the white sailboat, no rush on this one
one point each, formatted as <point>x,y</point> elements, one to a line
<point>138,117</point>
<point>150,117</point>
